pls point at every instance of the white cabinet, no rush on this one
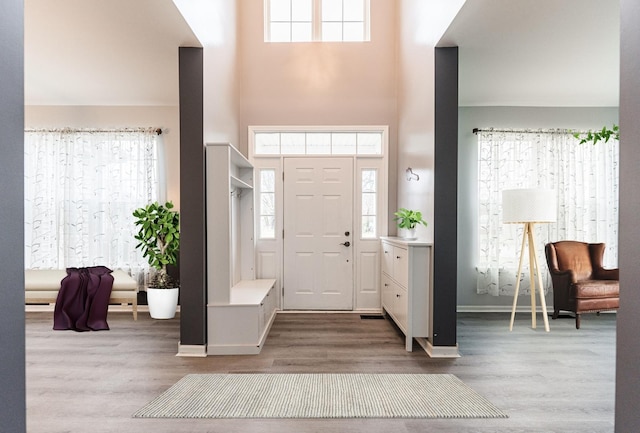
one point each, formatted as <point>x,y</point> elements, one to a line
<point>406,283</point>
<point>240,309</point>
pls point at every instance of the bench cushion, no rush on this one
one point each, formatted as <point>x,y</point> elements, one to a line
<point>50,279</point>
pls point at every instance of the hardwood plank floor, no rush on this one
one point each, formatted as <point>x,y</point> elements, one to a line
<point>562,381</point>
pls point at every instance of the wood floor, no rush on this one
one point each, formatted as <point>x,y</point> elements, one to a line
<point>562,381</point>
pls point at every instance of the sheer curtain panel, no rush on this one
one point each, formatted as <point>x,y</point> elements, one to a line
<point>81,187</point>
<point>584,178</point>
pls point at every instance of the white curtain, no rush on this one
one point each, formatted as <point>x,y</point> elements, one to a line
<point>81,187</point>
<point>584,178</point>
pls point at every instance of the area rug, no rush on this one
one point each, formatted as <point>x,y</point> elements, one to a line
<point>320,396</point>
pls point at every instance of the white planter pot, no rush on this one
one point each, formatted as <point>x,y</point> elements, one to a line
<point>410,234</point>
<point>162,302</point>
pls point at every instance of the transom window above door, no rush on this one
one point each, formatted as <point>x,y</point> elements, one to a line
<point>363,141</point>
<point>316,20</point>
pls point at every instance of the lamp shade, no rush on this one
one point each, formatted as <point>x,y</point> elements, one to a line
<point>528,205</point>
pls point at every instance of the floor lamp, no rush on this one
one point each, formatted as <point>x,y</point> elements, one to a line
<point>529,206</point>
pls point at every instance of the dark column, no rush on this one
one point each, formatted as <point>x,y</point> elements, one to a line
<point>193,253</point>
<point>12,347</point>
<point>445,200</point>
<point>627,417</point>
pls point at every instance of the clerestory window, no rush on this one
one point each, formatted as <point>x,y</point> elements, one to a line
<point>316,20</point>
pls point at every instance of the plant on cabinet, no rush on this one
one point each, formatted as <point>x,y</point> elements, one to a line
<point>408,219</point>
<point>159,239</point>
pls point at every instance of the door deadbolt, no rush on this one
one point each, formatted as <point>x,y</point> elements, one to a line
<point>347,233</point>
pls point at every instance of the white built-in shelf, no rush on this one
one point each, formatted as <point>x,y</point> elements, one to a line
<point>240,309</point>
<point>239,183</point>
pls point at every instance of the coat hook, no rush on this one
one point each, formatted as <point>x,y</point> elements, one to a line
<point>411,175</point>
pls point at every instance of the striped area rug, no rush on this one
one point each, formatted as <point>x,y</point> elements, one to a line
<point>320,396</point>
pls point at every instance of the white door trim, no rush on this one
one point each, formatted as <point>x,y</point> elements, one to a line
<point>269,252</point>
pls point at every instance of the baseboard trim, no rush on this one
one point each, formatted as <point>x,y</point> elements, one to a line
<point>192,350</point>
<point>438,351</point>
<point>361,311</point>
<point>498,309</point>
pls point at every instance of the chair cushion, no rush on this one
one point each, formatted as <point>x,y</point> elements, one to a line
<point>588,289</point>
<point>575,256</point>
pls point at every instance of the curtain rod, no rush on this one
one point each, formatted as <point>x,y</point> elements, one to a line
<point>97,130</point>
<point>547,131</point>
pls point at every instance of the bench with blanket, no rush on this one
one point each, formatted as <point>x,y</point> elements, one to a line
<point>42,286</point>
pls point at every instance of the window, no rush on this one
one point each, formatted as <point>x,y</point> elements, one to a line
<point>290,20</point>
<point>81,188</point>
<point>584,178</point>
<point>267,225</point>
<point>319,143</point>
<point>369,203</point>
<point>316,20</point>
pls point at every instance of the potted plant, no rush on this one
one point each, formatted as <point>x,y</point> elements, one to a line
<point>408,219</point>
<point>159,240</point>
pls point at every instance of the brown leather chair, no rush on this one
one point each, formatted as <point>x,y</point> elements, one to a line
<point>580,283</point>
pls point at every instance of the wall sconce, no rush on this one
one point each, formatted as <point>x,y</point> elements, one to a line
<point>411,175</point>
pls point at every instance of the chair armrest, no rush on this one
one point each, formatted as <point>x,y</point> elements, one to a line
<point>607,274</point>
<point>567,277</point>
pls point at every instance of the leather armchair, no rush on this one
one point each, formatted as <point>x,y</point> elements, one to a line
<point>580,283</point>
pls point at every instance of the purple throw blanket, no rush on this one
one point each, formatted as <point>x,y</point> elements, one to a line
<point>83,299</point>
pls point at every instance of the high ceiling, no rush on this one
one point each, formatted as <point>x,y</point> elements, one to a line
<point>512,52</point>
<point>537,52</point>
<point>103,52</point>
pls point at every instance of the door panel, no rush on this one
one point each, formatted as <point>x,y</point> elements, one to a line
<point>318,255</point>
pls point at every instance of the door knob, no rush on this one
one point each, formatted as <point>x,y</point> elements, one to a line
<point>346,244</point>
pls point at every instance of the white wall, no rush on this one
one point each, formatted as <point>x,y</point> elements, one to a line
<point>317,83</point>
<point>415,117</point>
<point>167,118</point>
<point>214,22</point>
<point>420,26</point>
<point>501,117</point>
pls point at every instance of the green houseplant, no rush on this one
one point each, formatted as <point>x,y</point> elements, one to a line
<point>159,239</point>
<point>408,219</point>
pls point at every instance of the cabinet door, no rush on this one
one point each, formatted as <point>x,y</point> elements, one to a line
<point>387,258</point>
<point>401,307</point>
<point>388,295</point>
<point>401,266</point>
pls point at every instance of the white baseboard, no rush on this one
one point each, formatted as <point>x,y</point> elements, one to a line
<point>362,311</point>
<point>438,351</point>
<point>498,309</point>
<point>192,350</point>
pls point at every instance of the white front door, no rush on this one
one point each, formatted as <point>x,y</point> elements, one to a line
<point>318,234</point>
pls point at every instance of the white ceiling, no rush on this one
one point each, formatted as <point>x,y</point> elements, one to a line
<point>103,52</point>
<point>512,52</point>
<point>537,52</point>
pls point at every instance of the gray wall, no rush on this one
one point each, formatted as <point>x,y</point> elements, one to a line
<point>193,245</point>
<point>443,304</point>
<point>627,418</point>
<point>12,346</point>
<point>501,117</point>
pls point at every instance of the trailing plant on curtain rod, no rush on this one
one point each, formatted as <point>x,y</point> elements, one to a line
<point>604,134</point>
